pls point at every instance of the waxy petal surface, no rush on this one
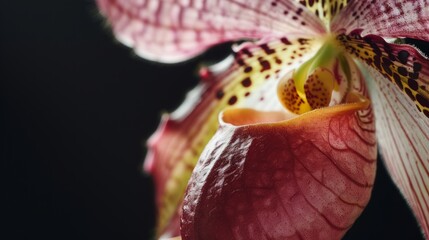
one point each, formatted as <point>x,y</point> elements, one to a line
<point>390,19</point>
<point>403,137</point>
<point>175,30</point>
<point>249,81</point>
<point>292,179</point>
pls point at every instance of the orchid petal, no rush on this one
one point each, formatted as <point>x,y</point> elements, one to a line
<point>292,179</point>
<point>390,19</point>
<point>173,30</point>
<point>325,10</point>
<point>176,146</point>
<point>401,102</point>
<point>401,64</point>
<point>403,137</point>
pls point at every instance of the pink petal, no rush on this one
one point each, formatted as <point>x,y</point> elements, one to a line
<point>181,137</point>
<point>292,179</point>
<point>391,19</point>
<point>401,102</point>
<point>174,30</point>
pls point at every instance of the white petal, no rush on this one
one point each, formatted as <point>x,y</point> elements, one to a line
<point>403,137</point>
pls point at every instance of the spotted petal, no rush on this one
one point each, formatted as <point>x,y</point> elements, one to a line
<point>326,10</point>
<point>401,101</point>
<point>403,136</point>
<point>282,179</point>
<point>391,19</point>
<point>400,64</point>
<point>174,30</point>
<point>249,81</point>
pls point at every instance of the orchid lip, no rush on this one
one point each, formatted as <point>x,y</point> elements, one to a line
<point>273,172</point>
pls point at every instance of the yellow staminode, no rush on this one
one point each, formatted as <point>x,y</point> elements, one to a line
<point>311,85</point>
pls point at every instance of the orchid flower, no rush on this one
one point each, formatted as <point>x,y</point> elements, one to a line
<point>279,141</point>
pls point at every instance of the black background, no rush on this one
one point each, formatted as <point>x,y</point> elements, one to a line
<point>77,108</point>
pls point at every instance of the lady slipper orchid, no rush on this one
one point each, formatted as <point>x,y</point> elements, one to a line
<point>293,134</point>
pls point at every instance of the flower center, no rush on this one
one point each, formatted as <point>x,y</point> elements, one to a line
<point>322,81</point>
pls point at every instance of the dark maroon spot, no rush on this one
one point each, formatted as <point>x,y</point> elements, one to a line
<point>220,94</point>
<point>403,71</point>
<point>391,56</point>
<point>265,65</point>
<point>398,80</point>
<point>386,65</point>
<point>426,112</point>
<point>414,75</point>
<point>285,12</point>
<point>377,62</point>
<point>299,11</point>
<point>388,50</point>
<point>417,67</point>
<point>410,94</point>
<point>246,82</point>
<point>267,49</point>
<point>248,69</point>
<point>285,41</point>
<point>403,56</point>
<point>302,41</point>
<point>413,84</point>
<point>232,100</point>
<point>374,46</point>
<point>247,94</point>
<point>423,101</point>
<point>247,52</point>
